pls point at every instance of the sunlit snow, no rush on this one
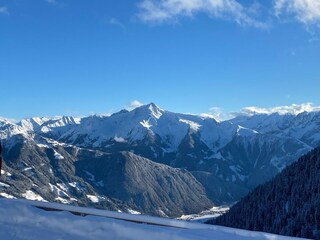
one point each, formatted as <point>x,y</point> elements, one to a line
<point>19,220</point>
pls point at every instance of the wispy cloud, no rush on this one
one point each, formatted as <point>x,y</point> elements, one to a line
<point>305,11</point>
<point>52,2</point>
<point>160,11</point>
<point>56,3</point>
<point>117,23</point>
<point>4,10</point>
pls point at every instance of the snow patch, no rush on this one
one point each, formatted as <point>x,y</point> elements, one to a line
<point>59,190</point>
<point>27,169</point>
<point>63,186</point>
<point>95,199</point>
<point>40,145</point>
<point>133,212</point>
<point>62,200</point>
<point>6,173</point>
<point>2,185</point>
<point>119,139</point>
<point>162,213</point>
<point>30,195</point>
<point>245,132</point>
<point>58,156</point>
<point>204,216</point>
<point>155,111</point>
<point>193,125</point>
<point>5,195</point>
<point>76,185</point>
<point>146,124</point>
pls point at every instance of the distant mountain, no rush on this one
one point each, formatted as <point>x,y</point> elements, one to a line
<point>146,186</point>
<point>286,205</point>
<point>50,171</point>
<point>227,159</point>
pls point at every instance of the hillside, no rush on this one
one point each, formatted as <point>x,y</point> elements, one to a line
<point>286,205</point>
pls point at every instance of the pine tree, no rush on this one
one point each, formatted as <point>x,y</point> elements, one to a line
<point>289,204</point>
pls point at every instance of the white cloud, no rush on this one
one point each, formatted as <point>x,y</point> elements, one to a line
<point>305,11</point>
<point>4,10</point>
<point>206,115</point>
<point>134,104</point>
<point>294,109</point>
<point>159,11</point>
<point>218,114</point>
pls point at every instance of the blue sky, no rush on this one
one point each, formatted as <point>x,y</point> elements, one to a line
<point>67,57</point>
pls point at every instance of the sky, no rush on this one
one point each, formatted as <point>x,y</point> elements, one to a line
<point>81,57</point>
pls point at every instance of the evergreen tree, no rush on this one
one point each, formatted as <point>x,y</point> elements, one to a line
<point>289,204</point>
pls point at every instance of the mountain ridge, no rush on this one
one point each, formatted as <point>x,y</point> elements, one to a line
<point>227,158</point>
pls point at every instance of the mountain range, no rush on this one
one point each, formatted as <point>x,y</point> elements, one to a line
<point>151,160</point>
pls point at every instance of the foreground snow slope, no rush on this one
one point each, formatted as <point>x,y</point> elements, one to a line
<point>21,220</point>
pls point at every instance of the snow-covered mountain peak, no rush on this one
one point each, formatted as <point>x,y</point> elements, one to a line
<point>151,110</point>
<point>10,129</point>
<point>45,124</point>
<point>155,110</point>
<point>4,121</point>
<point>244,151</point>
<point>32,124</point>
<point>62,121</point>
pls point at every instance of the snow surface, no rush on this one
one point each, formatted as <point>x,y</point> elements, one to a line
<point>20,220</point>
